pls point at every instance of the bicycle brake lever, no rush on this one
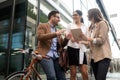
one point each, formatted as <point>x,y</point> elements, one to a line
<point>34,56</point>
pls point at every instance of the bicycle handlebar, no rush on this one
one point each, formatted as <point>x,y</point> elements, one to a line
<point>34,55</point>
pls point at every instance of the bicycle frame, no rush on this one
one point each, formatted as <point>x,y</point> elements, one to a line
<point>30,69</point>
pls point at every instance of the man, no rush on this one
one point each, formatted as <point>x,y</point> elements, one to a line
<point>48,45</point>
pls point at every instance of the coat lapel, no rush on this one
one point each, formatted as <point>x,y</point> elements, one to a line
<point>95,30</point>
<point>48,28</point>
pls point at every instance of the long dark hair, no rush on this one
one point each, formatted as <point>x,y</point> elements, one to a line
<point>95,14</point>
<point>80,14</point>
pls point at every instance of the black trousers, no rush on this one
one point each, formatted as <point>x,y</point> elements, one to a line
<point>100,68</point>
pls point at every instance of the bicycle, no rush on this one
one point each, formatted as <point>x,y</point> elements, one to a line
<point>26,73</point>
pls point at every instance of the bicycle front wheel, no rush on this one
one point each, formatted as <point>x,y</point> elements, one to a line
<point>17,76</point>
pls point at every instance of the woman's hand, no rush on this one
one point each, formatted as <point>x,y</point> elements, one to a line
<point>72,39</point>
<point>84,42</point>
<point>90,39</point>
<point>69,36</point>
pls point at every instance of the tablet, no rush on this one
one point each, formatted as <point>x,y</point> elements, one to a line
<point>78,35</point>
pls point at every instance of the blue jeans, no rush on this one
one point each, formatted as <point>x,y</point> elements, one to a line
<point>52,69</point>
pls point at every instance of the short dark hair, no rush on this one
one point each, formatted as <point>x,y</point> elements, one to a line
<point>52,13</point>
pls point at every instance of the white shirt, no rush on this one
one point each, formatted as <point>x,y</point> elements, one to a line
<point>80,46</point>
<point>75,44</point>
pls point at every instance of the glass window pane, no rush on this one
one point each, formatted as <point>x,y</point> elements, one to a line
<point>5,8</point>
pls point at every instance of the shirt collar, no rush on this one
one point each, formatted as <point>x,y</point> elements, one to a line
<point>51,25</point>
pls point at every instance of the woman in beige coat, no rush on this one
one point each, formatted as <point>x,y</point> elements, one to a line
<point>99,44</point>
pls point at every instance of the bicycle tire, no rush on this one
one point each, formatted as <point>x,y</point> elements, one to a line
<point>17,76</point>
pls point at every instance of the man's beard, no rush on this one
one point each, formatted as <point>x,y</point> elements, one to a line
<point>55,24</point>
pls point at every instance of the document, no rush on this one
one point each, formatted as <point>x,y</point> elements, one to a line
<point>78,35</point>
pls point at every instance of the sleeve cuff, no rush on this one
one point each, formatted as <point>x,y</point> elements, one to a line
<point>94,41</point>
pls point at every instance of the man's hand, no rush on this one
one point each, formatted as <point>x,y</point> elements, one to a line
<point>59,32</point>
<point>40,57</point>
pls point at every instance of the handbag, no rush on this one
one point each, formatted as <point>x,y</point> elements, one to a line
<point>63,60</point>
<point>63,55</point>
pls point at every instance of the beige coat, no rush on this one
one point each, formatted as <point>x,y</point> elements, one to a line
<point>101,49</point>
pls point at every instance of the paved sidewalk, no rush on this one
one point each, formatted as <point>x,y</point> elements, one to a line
<point>110,76</point>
